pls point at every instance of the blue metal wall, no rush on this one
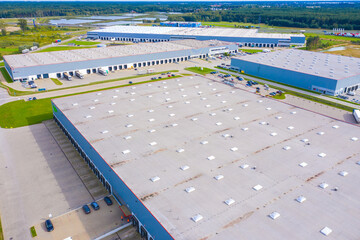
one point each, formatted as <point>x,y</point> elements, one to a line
<point>72,66</point>
<point>150,223</point>
<point>296,79</point>
<point>295,40</point>
<point>7,67</point>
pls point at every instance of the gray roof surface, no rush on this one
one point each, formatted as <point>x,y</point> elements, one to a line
<point>183,122</point>
<point>319,64</point>
<point>43,58</point>
<point>223,32</point>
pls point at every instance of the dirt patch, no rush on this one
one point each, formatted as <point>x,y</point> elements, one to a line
<point>315,176</point>
<point>238,220</point>
<point>12,29</point>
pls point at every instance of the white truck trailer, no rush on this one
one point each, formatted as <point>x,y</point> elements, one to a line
<point>356,114</point>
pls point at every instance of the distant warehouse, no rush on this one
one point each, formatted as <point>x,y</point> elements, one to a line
<point>245,37</point>
<point>86,61</point>
<point>321,72</point>
<point>180,24</point>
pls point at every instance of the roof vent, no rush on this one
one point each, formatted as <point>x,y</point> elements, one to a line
<point>234,149</point>
<point>170,106</point>
<point>244,166</point>
<point>132,99</point>
<point>204,142</point>
<point>326,231</point>
<point>219,177</point>
<point>152,130</point>
<point>96,100</point>
<point>208,105</point>
<point>194,119</point>
<point>320,133</point>
<point>273,134</point>
<point>223,101</point>
<point>115,96</point>
<point>151,120</point>
<point>212,114</point>
<point>128,125</point>
<point>111,111</point>
<point>245,105</point>
<point>197,218</point>
<point>274,215</point>
<point>174,124</point>
<point>303,164</point>
<point>263,123</point>
<point>218,95</point>
<point>323,185</point>
<point>287,148</point>
<point>278,117</point>
<point>322,154</point>
<point>172,114</point>
<point>236,118</point>
<point>180,150</point>
<point>245,129</point>
<point>343,173</point>
<point>154,179</point>
<point>257,187</point>
<point>204,98</point>
<point>92,107</point>
<point>300,199</point>
<point>293,112</point>
<point>187,102</point>
<point>335,126</point>
<point>185,167</point>
<point>105,131</point>
<point>304,140</point>
<point>150,96</point>
<point>75,104</point>
<point>210,158</point>
<point>354,139</point>
<point>113,103</point>
<point>229,201</point>
<point>130,115</point>
<point>269,108</point>
<point>127,137</point>
<point>153,143</point>
<point>189,189</point>
<point>88,116</point>
<point>126,151</point>
<point>290,127</point>
<point>218,123</point>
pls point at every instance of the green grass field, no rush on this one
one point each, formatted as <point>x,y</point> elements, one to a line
<point>6,75</point>
<point>251,50</point>
<point>198,70</point>
<point>1,232</point>
<point>231,24</point>
<point>2,64</point>
<point>23,113</point>
<point>83,43</point>
<point>56,81</point>
<point>60,48</point>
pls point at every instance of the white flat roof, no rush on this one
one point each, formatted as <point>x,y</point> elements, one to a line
<point>44,58</point>
<point>160,174</point>
<point>315,63</point>
<point>223,32</point>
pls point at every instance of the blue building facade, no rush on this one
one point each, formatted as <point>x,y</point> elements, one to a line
<point>147,225</point>
<point>296,78</point>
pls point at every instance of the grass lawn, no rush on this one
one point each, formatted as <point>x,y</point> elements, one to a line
<point>60,48</point>
<point>56,81</point>
<point>280,97</point>
<point>23,113</point>
<point>1,232</point>
<point>198,70</point>
<point>2,64</point>
<point>251,50</point>
<point>33,231</point>
<point>6,75</point>
<point>83,43</point>
<point>231,24</point>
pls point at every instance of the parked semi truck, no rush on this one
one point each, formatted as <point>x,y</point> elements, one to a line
<point>103,71</point>
<point>356,114</point>
<point>79,74</point>
<point>67,76</point>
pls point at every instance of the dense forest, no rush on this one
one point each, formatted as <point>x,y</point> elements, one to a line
<point>287,14</point>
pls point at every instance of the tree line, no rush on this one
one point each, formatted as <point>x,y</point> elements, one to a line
<point>287,14</point>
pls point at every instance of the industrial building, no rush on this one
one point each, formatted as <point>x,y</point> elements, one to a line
<point>33,66</point>
<point>244,37</point>
<point>320,72</point>
<point>193,158</point>
<point>181,24</point>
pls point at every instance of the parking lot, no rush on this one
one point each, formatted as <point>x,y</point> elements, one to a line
<point>40,181</point>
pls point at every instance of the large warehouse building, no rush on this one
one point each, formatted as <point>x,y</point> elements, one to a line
<point>245,37</point>
<point>321,72</point>
<point>54,64</point>
<point>193,158</point>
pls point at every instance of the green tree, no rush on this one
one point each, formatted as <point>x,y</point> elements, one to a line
<point>3,31</point>
<point>22,24</point>
<point>157,20</point>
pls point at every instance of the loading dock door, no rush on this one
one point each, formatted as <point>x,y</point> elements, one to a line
<point>45,75</point>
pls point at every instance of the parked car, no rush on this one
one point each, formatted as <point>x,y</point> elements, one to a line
<point>86,209</point>
<point>49,226</point>
<point>163,73</point>
<point>130,82</point>
<point>153,78</point>
<point>159,77</point>
<point>95,206</point>
<point>173,75</point>
<point>108,201</point>
<point>169,75</point>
